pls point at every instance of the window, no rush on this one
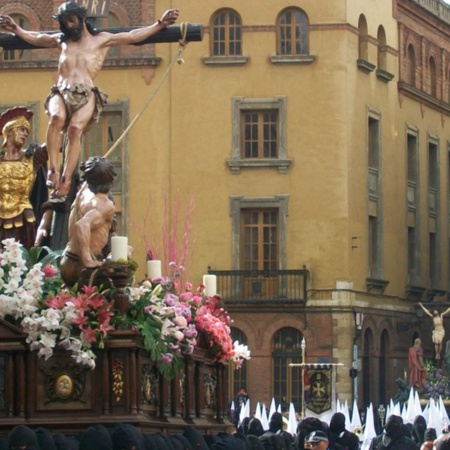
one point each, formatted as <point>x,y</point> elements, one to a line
<point>411,66</point>
<point>259,233</point>
<point>433,178</point>
<point>259,134</point>
<point>375,219</point>
<point>237,379</point>
<point>18,55</point>
<point>293,32</point>
<point>97,142</point>
<point>381,37</point>
<point>433,80</point>
<point>434,213</point>
<point>226,32</point>
<point>413,216</point>
<point>287,349</point>
<point>363,39</point>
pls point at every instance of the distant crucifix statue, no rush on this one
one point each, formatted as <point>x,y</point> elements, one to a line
<point>74,102</point>
<point>438,332</point>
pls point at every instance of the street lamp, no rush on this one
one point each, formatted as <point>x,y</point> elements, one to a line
<point>303,376</point>
<point>382,414</point>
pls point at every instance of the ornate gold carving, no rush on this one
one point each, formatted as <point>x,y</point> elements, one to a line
<point>64,383</point>
<point>64,386</point>
<point>209,386</point>
<point>118,383</point>
<point>150,383</point>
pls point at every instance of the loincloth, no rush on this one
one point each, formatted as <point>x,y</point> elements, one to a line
<point>437,336</point>
<point>75,97</point>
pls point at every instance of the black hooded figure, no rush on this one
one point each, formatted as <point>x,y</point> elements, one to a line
<point>22,438</point>
<point>418,431</point>
<point>392,437</point>
<point>96,437</point>
<point>339,435</point>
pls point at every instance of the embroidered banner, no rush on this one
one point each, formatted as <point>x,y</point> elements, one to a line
<point>320,389</point>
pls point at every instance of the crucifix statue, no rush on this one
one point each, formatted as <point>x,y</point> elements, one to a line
<point>74,103</point>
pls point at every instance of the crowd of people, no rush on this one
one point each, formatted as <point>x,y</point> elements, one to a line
<point>312,433</point>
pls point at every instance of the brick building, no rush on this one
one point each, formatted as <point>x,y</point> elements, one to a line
<point>315,141</point>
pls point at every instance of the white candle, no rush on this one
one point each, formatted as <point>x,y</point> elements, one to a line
<point>210,283</point>
<point>153,269</point>
<point>119,248</point>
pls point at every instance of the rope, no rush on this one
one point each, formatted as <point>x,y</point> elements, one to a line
<point>179,59</point>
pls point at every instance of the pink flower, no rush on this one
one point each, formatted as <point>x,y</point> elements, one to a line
<point>49,272</point>
<point>166,358</point>
<point>180,321</point>
<point>89,336</point>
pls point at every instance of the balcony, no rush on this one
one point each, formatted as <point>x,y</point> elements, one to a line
<point>262,286</point>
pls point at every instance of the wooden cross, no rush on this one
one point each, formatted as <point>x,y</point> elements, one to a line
<point>169,34</point>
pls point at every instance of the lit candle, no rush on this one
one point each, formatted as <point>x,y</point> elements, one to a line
<point>210,283</point>
<point>119,248</point>
<point>153,269</point>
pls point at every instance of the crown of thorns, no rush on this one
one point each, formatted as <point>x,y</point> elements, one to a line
<point>70,9</point>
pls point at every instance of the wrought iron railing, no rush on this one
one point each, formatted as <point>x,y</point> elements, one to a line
<point>262,286</point>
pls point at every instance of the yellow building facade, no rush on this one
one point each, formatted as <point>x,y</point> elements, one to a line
<point>310,138</point>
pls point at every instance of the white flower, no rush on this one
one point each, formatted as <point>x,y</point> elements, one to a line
<point>240,351</point>
<point>46,352</point>
<point>11,286</point>
<point>51,318</point>
<point>48,339</point>
<point>87,358</point>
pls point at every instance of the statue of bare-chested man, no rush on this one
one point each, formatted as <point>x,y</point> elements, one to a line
<point>90,221</point>
<point>74,102</point>
<point>438,332</point>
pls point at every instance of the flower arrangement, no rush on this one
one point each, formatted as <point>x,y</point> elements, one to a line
<point>170,320</point>
<point>168,317</point>
<point>33,300</point>
<point>436,384</point>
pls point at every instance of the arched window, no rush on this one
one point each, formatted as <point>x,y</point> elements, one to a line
<point>110,22</point>
<point>384,366</point>
<point>368,368</point>
<point>411,66</point>
<point>226,34</point>
<point>382,59</point>
<point>287,382</point>
<point>433,79</point>
<point>448,88</point>
<point>293,33</point>
<point>363,52</point>
<point>18,55</point>
<point>237,379</point>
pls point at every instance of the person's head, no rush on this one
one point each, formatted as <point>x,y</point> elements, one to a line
<point>72,20</point>
<point>337,423</point>
<point>276,422</point>
<point>430,435</point>
<point>317,440</point>
<point>417,342</point>
<point>436,313</point>
<point>393,429</point>
<point>15,125</point>
<point>99,174</point>
<point>304,428</point>
<point>22,438</point>
<point>255,427</point>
